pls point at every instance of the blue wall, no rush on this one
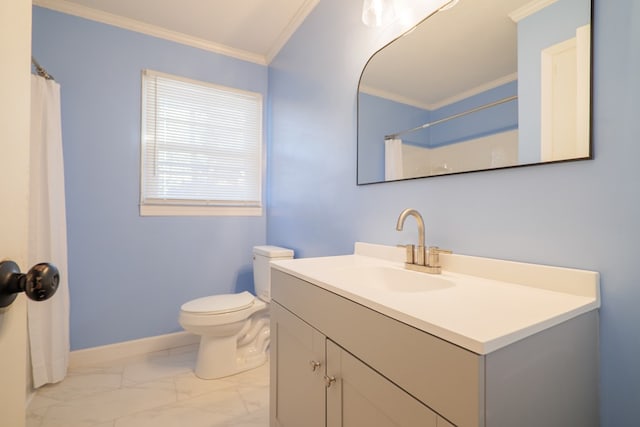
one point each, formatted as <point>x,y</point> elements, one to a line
<point>128,275</point>
<point>485,122</point>
<point>382,117</point>
<point>580,214</point>
<point>378,117</point>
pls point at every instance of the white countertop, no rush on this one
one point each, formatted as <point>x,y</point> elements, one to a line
<point>491,303</point>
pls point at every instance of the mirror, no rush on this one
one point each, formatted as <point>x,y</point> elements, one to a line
<point>481,85</point>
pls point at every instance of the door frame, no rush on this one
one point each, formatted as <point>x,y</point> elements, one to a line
<point>15,112</point>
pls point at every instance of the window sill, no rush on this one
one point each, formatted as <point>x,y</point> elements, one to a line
<point>169,210</point>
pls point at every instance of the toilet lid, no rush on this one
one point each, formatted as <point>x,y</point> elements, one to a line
<point>219,303</point>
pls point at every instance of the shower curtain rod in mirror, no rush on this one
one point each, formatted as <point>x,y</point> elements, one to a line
<point>451,117</point>
<point>41,71</point>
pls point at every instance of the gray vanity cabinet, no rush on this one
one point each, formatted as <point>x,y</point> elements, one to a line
<point>318,383</point>
<point>337,363</point>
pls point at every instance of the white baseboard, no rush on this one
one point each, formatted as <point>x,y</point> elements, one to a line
<point>121,350</point>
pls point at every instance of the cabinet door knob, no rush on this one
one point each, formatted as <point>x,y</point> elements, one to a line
<point>329,380</point>
<point>314,365</point>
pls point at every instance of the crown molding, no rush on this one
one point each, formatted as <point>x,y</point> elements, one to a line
<point>476,90</point>
<point>434,106</point>
<point>297,20</point>
<point>529,9</point>
<point>380,93</point>
<point>152,30</point>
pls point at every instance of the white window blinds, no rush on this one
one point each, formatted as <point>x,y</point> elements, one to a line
<point>201,144</point>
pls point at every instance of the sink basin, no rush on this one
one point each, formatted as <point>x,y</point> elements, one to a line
<point>391,279</point>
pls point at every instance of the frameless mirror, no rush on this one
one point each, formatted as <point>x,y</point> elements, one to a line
<point>482,85</point>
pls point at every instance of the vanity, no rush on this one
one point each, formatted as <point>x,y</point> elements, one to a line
<point>359,340</point>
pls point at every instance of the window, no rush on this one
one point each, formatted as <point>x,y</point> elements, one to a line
<point>201,148</point>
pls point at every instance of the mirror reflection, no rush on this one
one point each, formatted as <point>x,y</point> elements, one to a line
<point>481,85</point>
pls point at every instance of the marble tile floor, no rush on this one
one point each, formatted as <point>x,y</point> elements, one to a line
<point>158,390</point>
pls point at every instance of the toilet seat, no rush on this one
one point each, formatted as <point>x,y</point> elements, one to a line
<point>220,309</point>
<point>219,304</point>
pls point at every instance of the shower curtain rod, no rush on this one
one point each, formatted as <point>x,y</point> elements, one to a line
<point>41,71</point>
<point>451,117</point>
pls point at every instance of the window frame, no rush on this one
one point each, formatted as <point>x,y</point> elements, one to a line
<point>193,207</point>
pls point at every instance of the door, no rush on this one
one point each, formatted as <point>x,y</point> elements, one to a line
<point>359,396</point>
<point>297,371</point>
<point>565,94</point>
<point>15,84</point>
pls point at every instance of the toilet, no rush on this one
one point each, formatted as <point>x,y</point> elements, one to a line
<point>234,328</point>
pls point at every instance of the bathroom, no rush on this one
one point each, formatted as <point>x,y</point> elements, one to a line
<point>577,214</point>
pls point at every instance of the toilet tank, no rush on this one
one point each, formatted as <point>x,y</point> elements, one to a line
<point>262,256</point>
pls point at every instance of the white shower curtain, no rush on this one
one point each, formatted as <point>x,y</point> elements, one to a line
<point>393,159</point>
<point>48,320</point>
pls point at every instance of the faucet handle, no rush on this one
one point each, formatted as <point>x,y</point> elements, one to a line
<point>434,255</point>
<point>410,251</point>
<point>440,250</point>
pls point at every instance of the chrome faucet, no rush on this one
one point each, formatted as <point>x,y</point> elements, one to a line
<point>416,257</point>
<point>419,256</point>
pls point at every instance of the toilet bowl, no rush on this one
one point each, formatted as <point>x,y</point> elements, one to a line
<point>234,328</point>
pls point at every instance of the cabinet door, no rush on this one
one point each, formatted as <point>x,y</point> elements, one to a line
<point>444,423</point>
<point>297,371</point>
<point>360,396</point>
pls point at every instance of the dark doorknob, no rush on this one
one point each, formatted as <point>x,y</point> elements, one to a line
<point>40,283</point>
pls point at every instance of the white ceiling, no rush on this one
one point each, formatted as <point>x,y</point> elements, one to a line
<point>253,30</point>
